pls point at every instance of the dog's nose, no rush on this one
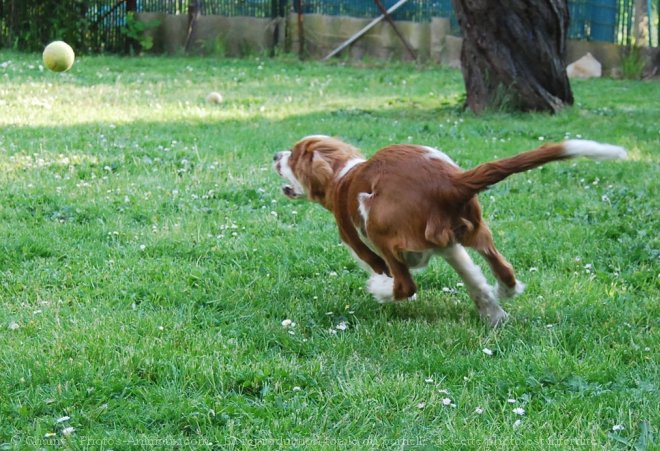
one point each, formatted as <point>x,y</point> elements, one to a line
<point>276,156</point>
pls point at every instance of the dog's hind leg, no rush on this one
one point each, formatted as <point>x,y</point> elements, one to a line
<point>507,284</point>
<point>480,291</point>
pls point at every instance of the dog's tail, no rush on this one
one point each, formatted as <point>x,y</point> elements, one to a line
<point>485,175</point>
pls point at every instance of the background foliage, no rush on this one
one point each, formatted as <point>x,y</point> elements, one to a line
<point>95,25</point>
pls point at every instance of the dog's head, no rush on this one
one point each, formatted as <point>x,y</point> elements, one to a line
<point>312,165</point>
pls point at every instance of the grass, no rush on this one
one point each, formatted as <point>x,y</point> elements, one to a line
<point>148,259</point>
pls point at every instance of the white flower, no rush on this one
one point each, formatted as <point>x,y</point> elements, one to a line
<point>444,391</point>
<point>13,325</point>
<point>342,326</point>
<point>62,419</point>
<point>68,431</point>
<point>142,247</point>
<point>533,269</point>
<point>511,401</point>
<point>517,423</point>
<point>296,388</point>
<point>288,323</point>
<point>428,380</point>
<point>618,427</point>
<point>479,410</point>
<point>487,351</point>
<point>446,401</point>
<point>519,411</point>
<point>421,405</point>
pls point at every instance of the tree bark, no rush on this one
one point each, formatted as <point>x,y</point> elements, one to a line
<point>513,54</point>
<point>641,27</point>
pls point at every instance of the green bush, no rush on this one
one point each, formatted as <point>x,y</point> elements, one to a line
<point>135,30</point>
<point>30,24</point>
<point>632,65</point>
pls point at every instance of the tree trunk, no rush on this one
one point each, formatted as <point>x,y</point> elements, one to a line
<point>513,54</point>
<point>641,27</point>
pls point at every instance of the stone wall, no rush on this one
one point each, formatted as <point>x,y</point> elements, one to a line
<point>432,41</point>
<point>325,33</point>
<point>229,36</point>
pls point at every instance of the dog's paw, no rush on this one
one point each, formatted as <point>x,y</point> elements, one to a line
<point>381,287</point>
<point>494,315</point>
<point>504,292</point>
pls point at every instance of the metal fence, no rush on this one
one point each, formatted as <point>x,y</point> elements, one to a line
<point>230,8</point>
<point>101,24</point>
<point>601,20</point>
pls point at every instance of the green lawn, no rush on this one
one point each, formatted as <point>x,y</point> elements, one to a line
<point>148,259</point>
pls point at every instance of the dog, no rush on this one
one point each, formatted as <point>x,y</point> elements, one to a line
<point>408,203</point>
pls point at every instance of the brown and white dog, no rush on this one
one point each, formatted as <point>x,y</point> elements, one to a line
<point>408,203</point>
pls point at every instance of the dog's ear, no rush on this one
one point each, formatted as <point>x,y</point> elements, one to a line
<point>320,177</point>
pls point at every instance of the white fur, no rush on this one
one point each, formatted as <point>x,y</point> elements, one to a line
<point>350,164</point>
<point>460,260</point>
<point>314,137</point>
<point>363,208</point>
<point>504,292</point>
<point>483,295</point>
<point>593,150</point>
<point>381,287</point>
<point>287,173</point>
<point>435,154</point>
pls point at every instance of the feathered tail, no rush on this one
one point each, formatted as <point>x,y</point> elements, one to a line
<point>481,177</point>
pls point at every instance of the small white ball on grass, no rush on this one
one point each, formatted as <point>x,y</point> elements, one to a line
<point>214,97</point>
<point>58,56</point>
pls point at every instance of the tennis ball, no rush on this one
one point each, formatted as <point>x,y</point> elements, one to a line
<point>214,97</point>
<point>58,56</point>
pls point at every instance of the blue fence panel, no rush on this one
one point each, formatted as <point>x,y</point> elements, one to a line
<point>603,20</point>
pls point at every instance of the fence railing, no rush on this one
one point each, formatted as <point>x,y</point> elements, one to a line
<point>100,25</point>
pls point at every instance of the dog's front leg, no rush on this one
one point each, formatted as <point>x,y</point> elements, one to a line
<point>380,283</point>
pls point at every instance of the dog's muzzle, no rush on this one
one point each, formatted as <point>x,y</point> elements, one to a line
<point>287,190</point>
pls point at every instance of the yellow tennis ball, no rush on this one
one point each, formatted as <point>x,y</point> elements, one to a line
<point>58,56</point>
